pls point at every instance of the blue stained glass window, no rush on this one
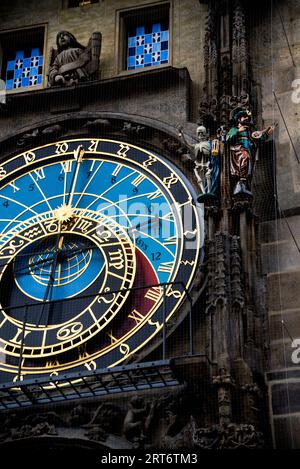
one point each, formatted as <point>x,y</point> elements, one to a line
<point>9,84</point>
<point>23,72</point>
<point>140,30</point>
<point>148,50</point>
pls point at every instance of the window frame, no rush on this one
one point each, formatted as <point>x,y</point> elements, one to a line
<point>122,17</point>
<point>19,31</point>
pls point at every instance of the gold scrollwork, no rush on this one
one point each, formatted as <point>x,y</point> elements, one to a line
<point>55,383</point>
<point>103,235</point>
<point>169,181</point>
<point>3,173</point>
<point>176,293</point>
<point>105,298</point>
<point>116,259</point>
<point>69,331</point>
<point>29,157</point>
<point>124,349</point>
<point>12,247</point>
<point>61,148</point>
<point>91,366</point>
<point>52,226</point>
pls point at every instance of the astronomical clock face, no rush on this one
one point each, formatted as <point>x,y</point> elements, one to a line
<point>89,229</point>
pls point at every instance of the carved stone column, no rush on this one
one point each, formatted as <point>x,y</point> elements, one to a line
<point>251,395</point>
<point>231,306</point>
<point>224,384</point>
<point>208,107</point>
<point>226,63</point>
<point>240,55</point>
<point>225,299</point>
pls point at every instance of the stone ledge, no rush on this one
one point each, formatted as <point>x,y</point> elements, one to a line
<point>111,87</point>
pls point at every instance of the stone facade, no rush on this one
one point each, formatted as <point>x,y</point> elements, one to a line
<point>252,256</point>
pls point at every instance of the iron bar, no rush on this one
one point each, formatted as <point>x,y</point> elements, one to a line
<point>191,334</point>
<point>22,342</point>
<point>44,390</point>
<point>164,322</point>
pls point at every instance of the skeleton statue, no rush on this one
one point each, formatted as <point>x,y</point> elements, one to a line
<point>204,154</point>
<point>202,168</point>
<point>71,62</point>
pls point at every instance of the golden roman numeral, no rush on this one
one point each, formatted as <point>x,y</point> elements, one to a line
<point>155,195</point>
<point>171,240</point>
<point>117,170</point>
<point>18,337</point>
<point>138,180</point>
<point>29,157</point>
<point>93,146</point>
<point>136,316</point>
<point>61,148</point>
<point>40,174</point>
<point>15,188</point>
<point>154,294</point>
<point>66,166</point>
<point>51,363</point>
<point>150,161</point>
<point>166,267</point>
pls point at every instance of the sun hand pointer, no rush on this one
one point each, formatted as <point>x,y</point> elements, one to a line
<point>65,212</point>
<point>78,155</point>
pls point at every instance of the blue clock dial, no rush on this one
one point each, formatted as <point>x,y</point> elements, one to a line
<point>78,267</point>
<point>95,235</point>
<point>126,196</point>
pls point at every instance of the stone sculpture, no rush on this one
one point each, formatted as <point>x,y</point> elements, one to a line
<point>205,155</point>
<point>71,62</point>
<point>243,146</point>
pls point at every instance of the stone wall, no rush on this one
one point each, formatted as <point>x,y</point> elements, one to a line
<point>273,69</point>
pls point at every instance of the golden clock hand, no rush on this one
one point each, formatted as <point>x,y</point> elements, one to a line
<point>153,222</point>
<point>60,244</point>
<point>59,273</point>
<point>44,262</point>
<point>78,155</point>
<point>49,289</point>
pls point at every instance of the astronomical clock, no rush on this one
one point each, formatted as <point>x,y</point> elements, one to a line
<point>100,242</point>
